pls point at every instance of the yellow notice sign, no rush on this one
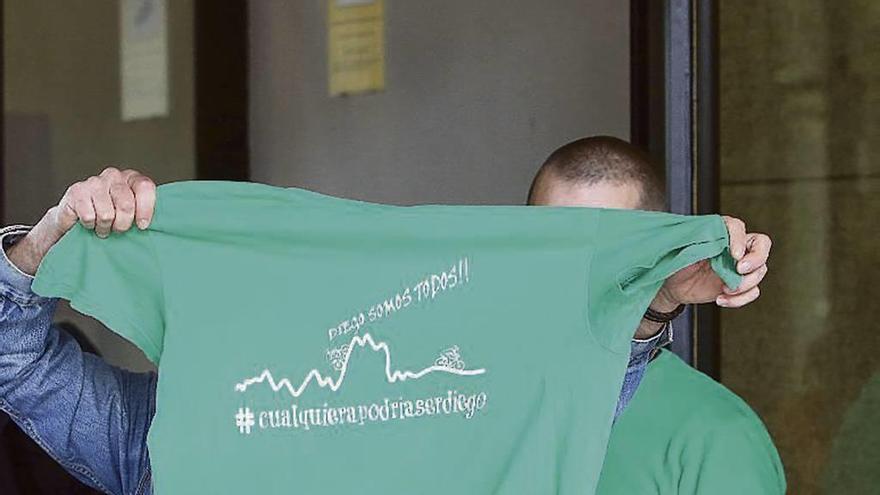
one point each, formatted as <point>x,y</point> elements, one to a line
<point>356,46</point>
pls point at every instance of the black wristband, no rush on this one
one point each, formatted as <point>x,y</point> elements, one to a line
<point>658,317</point>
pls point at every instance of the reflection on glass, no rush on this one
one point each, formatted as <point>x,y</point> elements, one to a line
<point>800,122</point>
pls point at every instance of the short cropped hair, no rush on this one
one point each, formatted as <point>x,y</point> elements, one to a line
<point>596,159</point>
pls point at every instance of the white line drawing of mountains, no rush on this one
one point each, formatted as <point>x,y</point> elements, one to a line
<point>328,382</point>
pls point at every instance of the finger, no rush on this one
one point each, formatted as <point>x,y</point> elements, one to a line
<point>757,252</point>
<point>110,171</point>
<point>748,281</point>
<point>104,211</point>
<point>81,202</point>
<point>737,232</point>
<point>65,214</point>
<point>739,300</point>
<point>145,199</point>
<point>123,202</point>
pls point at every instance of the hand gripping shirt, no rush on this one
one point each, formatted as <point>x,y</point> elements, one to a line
<point>311,344</point>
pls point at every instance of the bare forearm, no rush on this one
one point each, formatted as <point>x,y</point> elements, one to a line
<point>648,329</point>
<point>663,303</point>
<point>28,252</point>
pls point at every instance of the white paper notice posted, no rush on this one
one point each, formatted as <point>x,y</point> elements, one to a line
<point>143,59</point>
<point>356,46</point>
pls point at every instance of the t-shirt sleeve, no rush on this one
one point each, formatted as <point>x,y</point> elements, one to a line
<point>733,456</point>
<point>636,251</point>
<point>115,280</point>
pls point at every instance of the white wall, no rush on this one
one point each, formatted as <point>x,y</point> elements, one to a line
<point>477,94</point>
<point>62,116</point>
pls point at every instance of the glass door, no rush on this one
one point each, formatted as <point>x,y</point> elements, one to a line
<point>800,140</point>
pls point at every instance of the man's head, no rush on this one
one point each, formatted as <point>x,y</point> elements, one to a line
<point>601,172</point>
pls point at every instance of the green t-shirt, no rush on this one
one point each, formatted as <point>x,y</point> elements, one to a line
<point>310,344</point>
<point>684,433</point>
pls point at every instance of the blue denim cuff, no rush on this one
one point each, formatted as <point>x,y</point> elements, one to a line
<point>14,283</point>
<point>641,352</point>
<point>640,349</point>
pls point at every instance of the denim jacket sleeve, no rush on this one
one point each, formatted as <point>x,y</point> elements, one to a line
<point>641,352</point>
<point>89,416</point>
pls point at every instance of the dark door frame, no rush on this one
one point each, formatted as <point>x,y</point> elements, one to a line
<point>674,102</point>
<point>221,89</point>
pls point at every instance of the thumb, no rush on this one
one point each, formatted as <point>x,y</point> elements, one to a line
<point>63,217</point>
